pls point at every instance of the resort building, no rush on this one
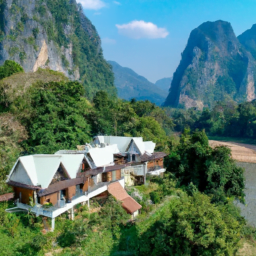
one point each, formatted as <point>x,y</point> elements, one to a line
<point>49,185</point>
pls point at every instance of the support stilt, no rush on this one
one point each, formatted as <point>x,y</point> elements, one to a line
<point>88,202</point>
<point>72,213</point>
<point>53,224</point>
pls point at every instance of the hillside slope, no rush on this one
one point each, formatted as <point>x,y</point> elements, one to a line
<point>248,40</point>
<point>57,35</point>
<point>214,66</point>
<point>164,83</point>
<point>131,85</point>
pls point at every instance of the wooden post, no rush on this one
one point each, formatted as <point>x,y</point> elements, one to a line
<point>88,203</point>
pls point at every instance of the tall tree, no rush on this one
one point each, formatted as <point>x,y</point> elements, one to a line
<point>212,171</point>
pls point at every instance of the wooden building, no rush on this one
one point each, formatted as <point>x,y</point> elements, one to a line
<point>49,185</point>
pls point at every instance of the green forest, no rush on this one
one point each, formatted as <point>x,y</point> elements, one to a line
<point>189,211</point>
<point>225,119</point>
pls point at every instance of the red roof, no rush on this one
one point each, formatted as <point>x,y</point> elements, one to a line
<point>6,197</point>
<point>128,203</point>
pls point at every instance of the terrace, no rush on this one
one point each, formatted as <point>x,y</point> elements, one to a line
<point>62,206</point>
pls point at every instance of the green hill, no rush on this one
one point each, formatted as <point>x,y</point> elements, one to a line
<point>131,85</point>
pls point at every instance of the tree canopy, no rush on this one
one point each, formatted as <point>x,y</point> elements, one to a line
<point>9,68</point>
<point>192,226</point>
<point>212,171</point>
<point>57,117</point>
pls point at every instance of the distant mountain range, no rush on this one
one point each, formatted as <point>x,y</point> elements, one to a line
<point>215,66</point>
<point>164,83</point>
<point>131,85</point>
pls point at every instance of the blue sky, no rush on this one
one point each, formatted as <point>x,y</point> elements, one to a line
<point>149,36</point>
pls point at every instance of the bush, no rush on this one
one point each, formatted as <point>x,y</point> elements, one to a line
<point>155,197</point>
<point>9,68</point>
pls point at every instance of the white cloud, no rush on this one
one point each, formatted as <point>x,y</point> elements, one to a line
<point>140,29</point>
<point>115,2</point>
<point>107,40</point>
<point>92,4</point>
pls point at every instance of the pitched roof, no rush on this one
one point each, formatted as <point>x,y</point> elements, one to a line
<point>128,203</point>
<point>147,157</point>
<point>149,146</point>
<point>21,185</point>
<point>42,168</point>
<point>101,156</point>
<point>121,142</point>
<point>116,190</point>
<point>72,163</point>
<point>6,197</point>
<point>140,145</point>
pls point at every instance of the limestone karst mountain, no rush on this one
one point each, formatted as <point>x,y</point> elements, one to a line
<point>56,35</point>
<point>215,65</point>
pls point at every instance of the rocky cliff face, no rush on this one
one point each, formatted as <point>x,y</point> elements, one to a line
<point>56,35</point>
<point>131,85</point>
<point>214,66</point>
<point>248,40</point>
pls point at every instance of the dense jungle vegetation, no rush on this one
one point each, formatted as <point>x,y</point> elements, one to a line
<point>187,212</point>
<point>45,117</point>
<point>225,119</point>
<point>181,214</point>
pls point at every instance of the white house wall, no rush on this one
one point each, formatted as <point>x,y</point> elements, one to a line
<point>20,175</point>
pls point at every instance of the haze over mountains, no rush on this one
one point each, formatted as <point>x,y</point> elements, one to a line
<point>215,65</point>
<point>131,85</point>
<point>164,83</point>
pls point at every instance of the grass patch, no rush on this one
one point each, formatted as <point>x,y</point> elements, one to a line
<point>233,139</point>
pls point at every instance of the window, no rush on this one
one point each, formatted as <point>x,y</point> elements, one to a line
<point>133,158</point>
<point>113,175</point>
<point>62,194</point>
<point>104,177</point>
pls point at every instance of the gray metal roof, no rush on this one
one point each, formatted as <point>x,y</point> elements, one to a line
<point>42,168</point>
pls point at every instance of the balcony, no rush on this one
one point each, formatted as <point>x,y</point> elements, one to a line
<point>62,206</point>
<point>137,170</point>
<point>37,209</point>
<point>156,170</point>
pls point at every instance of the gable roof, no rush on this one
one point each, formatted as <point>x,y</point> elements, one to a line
<point>45,168</point>
<point>121,142</point>
<point>103,156</point>
<point>140,145</point>
<point>143,146</point>
<point>72,163</point>
<point>42,168</point>
<point>149,146</point>
<point>128,203</point>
